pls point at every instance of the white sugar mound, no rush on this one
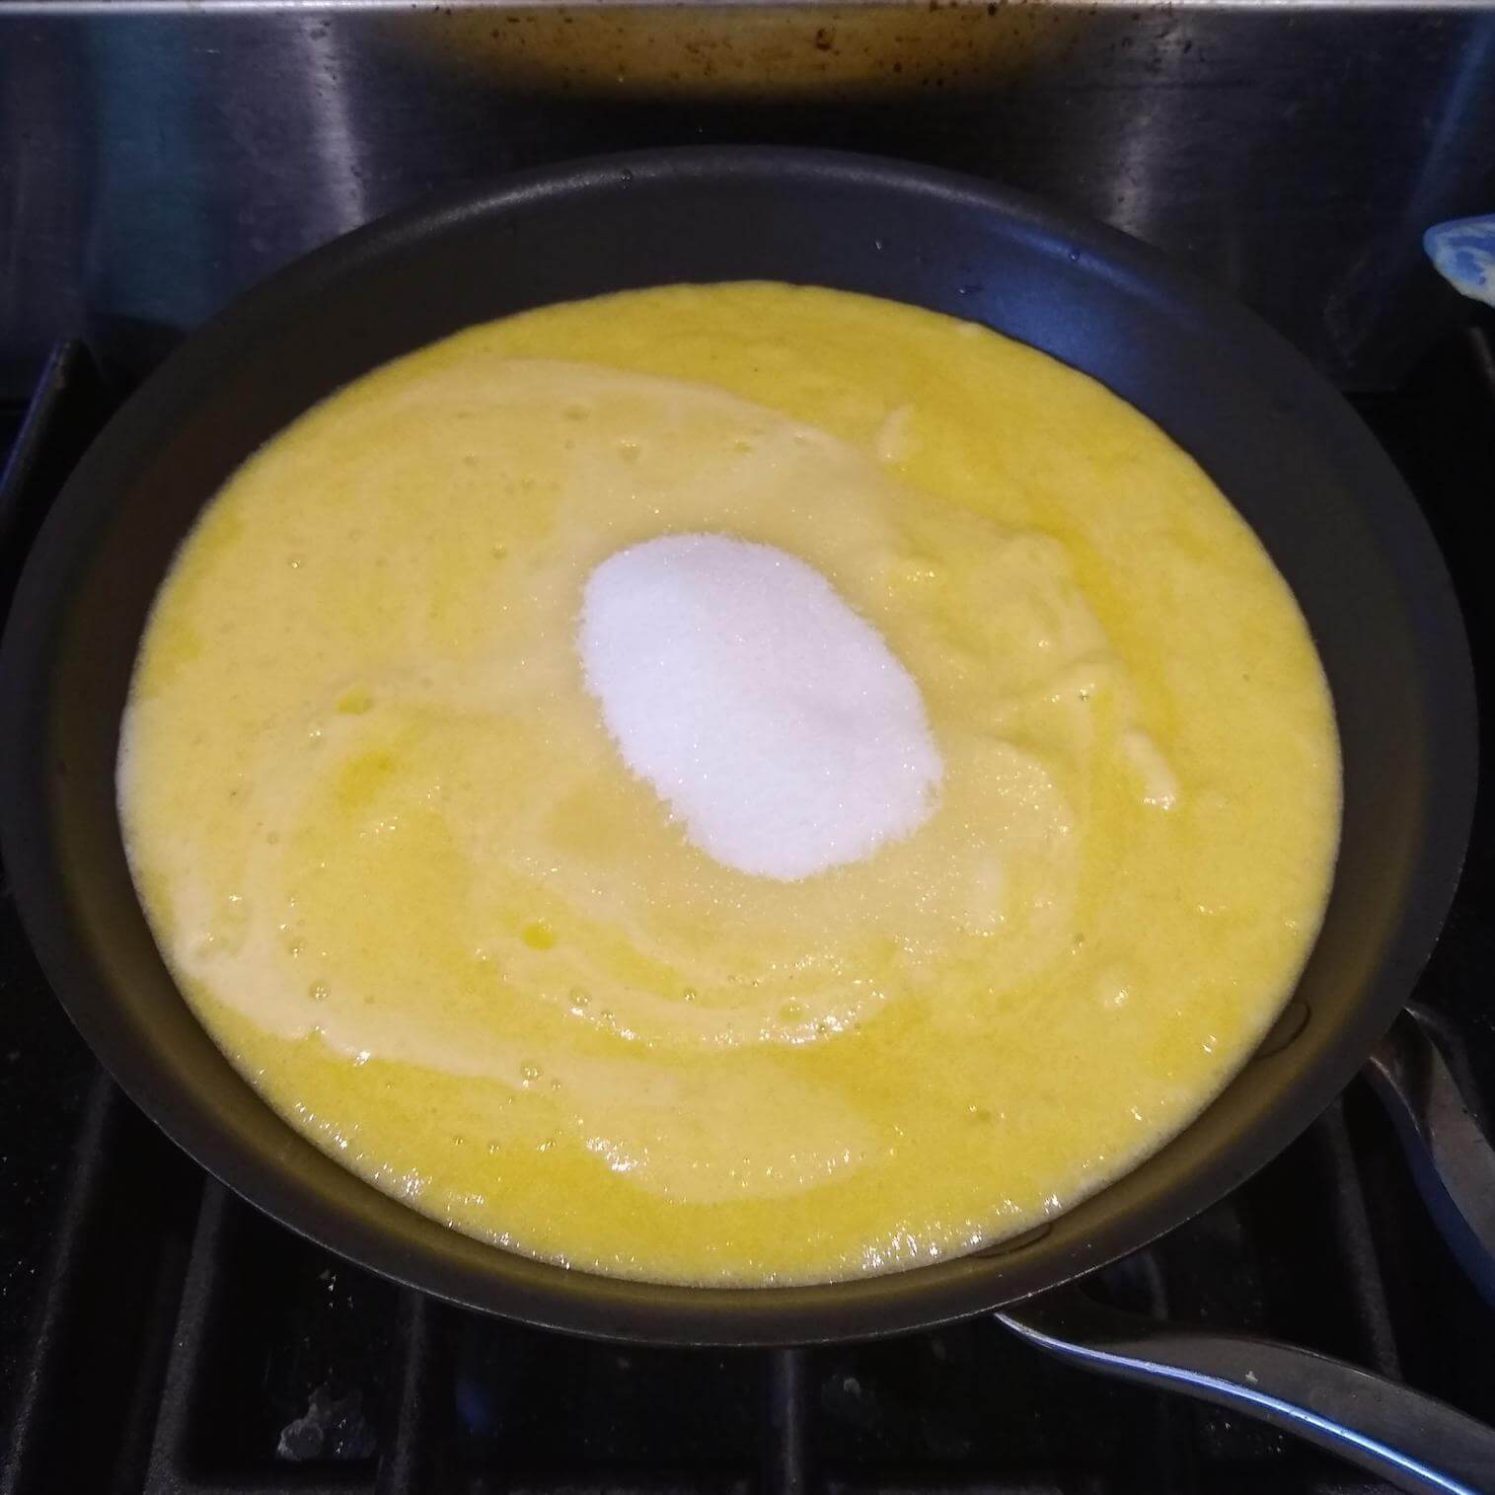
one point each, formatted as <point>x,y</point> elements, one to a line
<point>771,718</point>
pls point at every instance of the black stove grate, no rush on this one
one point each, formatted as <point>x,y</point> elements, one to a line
<point>158,1335</point>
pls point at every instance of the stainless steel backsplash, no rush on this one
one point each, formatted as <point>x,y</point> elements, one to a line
<point>156,158</point>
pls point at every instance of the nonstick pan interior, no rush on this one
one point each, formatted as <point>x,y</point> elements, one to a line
<point>1279,441</point>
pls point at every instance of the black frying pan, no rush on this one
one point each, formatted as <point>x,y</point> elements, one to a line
<point>1277,439</point>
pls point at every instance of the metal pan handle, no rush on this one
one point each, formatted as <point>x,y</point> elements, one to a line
<point>1452,1161</point>
<point>1416,1443</point>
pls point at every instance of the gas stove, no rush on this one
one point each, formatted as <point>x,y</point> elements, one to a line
<point>158,1335</point>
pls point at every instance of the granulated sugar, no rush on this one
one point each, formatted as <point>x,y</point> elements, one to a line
<point>772,719</point>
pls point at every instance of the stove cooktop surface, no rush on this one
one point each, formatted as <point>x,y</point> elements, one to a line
<point>156,1334</point>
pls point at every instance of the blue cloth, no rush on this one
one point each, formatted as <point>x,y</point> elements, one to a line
<point>1463,253</point>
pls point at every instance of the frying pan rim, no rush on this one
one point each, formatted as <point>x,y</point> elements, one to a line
<point>608,1307</point>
